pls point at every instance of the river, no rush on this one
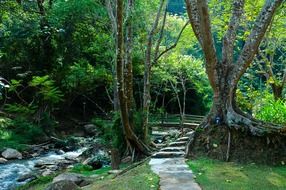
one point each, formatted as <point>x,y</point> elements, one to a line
<point>10,172</point>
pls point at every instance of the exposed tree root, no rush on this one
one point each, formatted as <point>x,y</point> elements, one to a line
<point>246,145</point>
<point>256,127</point>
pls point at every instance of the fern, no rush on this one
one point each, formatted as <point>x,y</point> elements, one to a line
<point>47,89</point>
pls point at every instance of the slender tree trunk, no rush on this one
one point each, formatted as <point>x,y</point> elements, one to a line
<point>133,141</point>
<point>184,100</point>
<point>112,16</point>
<point>45,36</point>
<point>128,63</point>
<point>147,72</point>
<point>175,89</point>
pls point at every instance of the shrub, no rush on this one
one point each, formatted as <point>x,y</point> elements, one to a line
<point>271,111</point>
<point>24,131</point>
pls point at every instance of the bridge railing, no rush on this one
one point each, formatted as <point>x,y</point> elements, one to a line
<point>175,119</point>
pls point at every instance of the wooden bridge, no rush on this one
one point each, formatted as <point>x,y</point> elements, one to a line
<point>174,120</point>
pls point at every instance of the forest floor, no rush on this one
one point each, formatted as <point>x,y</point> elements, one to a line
<point>218,175</point>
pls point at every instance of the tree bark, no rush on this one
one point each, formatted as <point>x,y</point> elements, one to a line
<point>112,16</point>
<point>133,141</point>
<point>128,62</point>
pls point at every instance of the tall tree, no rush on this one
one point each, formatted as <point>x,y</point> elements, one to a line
<point>224,73</point>
<point>133,142</point>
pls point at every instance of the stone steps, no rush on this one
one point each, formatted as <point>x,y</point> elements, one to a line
<point>190,133</point>
<point>174,174</point>
<point>169,164</point>
<point>173,149</point>
<point>168,154</point>
<point>177,143</point>
<point>183,139</point>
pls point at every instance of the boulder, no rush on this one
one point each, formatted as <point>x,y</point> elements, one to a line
<point>93,162</point>
<point>63,185</point>
<point>75,178</point>
<point>91,129</point>
<point>25,177</point>
<point>44,163</point>
<point>3,160</point>
<point>47,172</point>
<point>10,153</point>
<point>114,171</point>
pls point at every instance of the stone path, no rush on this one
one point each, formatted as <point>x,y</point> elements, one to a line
<point>169,164</point>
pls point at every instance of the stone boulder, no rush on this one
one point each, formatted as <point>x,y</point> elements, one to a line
<point>63,185</point>
<point>25,177</point>
<point>10,153</point>
<point>47,172</point>
<point>94,163</point>
<point>91,129</point>
<point>77,179</point>
<point>3,160</point>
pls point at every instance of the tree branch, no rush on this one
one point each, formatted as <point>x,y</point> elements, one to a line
<point>160,36</point>
<point>230,36</point>
<point>192,12</point>
<point>111,15</point>
<point>253,41</point>
<point>200,20</point>
<point>174,45</point>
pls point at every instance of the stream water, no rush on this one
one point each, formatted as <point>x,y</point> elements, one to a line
<point>10,172</point>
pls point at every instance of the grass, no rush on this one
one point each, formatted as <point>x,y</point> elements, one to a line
<point>218,175</point>
<point>139,178</point>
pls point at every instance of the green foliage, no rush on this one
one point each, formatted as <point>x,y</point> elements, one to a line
<point>46,89</point>
<point>175,69</point>
<point>4,122</point>
<point>20,110</point>
<point>24,131</point>
<point>262,105</point>
<point>270,110</point>
<point>84,77</point>
<point>14,133</point>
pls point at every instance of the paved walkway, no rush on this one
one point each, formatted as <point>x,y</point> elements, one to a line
<point>169,164</point>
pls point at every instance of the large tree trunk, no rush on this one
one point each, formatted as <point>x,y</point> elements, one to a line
<point>229,134</point>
